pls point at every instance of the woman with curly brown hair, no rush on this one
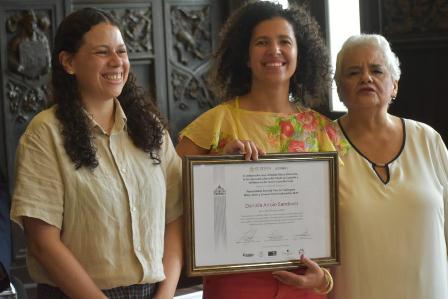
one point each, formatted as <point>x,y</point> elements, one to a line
<point>97,185</point>
<point>271,66</point>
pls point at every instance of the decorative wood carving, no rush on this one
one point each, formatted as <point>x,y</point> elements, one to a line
<point>191,34</point>
<point>25,101</point>
<point>403,17</point>
<point>190,50</point>
<point>28,51</point>
<point>136,26</point>
<point>177,82</point>
<point>191,89</point>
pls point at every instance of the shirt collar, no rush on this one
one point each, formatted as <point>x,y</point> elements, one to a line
<point>119,123</point>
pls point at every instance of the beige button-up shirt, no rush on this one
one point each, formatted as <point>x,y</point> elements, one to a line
<point>112,218</point>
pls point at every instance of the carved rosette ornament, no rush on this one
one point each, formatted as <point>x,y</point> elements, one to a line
<point>136,24</point>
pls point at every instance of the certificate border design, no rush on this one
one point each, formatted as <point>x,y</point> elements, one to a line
<point>189,162</point>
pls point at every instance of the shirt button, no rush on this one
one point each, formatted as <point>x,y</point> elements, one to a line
<point>123,170</point>
<point>133,209</point>
<point>139,248</point>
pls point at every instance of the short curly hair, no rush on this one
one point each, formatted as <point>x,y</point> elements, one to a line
<point>231,77</point>
<point>144,123</point>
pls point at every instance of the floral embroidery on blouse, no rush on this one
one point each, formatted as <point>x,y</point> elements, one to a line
<point>295,133</point>
<point>303,131</point>
<point>219,142</point>
<point>337,138</point>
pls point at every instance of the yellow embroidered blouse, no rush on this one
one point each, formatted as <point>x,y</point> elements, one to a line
<point>304,131</point>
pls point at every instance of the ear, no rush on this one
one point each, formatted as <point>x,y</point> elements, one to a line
<point>395,90</point>
<point>66,59</point>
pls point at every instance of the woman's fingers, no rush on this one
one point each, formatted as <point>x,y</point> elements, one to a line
<point>233,147</point>
<point>311,265</point>
<point>247,147</point>
<point>250,150</point>
<point>313,278</point>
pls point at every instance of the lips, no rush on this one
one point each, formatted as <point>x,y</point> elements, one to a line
<point>274,64</point>
<point>113,76</point>
<point>366,89</point>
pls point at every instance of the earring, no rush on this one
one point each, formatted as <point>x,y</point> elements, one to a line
<point>70,72</point>
<point>392,99</point>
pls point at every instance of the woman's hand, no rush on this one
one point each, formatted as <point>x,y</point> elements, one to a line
<point>314,277</point>
<point>247,147</point>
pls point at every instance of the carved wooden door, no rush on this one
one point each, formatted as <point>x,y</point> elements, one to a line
<point>169,44</point>
<point>26,37</point>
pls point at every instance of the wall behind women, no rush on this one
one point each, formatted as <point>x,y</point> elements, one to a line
<point>418,32</point>
<point>169,45</point>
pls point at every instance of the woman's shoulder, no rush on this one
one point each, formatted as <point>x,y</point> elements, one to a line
<point>311,111</point>
<point>218,112</point>
<point>224,107</point>
<point>416,128</point>
<point>43,121</point>
<point>320,121</point>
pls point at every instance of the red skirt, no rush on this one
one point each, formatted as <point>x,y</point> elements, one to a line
<point>260,285</point>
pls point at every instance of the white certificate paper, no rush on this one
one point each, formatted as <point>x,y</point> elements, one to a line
<point>261,212</point>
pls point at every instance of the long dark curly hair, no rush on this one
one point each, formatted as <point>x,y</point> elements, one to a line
<point>231,77</point>
<point>144,123</point>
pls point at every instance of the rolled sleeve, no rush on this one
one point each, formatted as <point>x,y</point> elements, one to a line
<point>38,190</point>
<point>172,165</point>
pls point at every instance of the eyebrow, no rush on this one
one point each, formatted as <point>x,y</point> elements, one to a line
<point>106,46</point>
<point>278,36</point>
<point>374,65</point>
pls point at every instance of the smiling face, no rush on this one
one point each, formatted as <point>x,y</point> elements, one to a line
<point>365,80</point>
<point>101,65</point>
<point>272,53</point>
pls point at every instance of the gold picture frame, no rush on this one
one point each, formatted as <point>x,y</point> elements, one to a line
<point>257,215</point>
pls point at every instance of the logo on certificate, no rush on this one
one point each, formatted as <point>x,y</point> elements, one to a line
<point>272,253</point>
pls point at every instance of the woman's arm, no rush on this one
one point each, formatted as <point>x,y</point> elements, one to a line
<point>44,243</point>
<point>188,147</point>
<point>172,259</point>
<point>236,146</point>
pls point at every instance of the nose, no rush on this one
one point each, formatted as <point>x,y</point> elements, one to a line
<point>115,60</point>
<point>366,77</point>
<point>275,48</point>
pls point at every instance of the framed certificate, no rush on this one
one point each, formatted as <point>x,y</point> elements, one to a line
<point>244,216</point>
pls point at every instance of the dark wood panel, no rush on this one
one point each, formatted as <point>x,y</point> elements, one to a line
<point>423,86</point>
<point>26,37</point>
<point>189,45</point>
<point>418,33</point>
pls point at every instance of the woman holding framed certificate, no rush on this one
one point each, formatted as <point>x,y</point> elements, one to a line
<point>393,190</point>
<point>271,66</point>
